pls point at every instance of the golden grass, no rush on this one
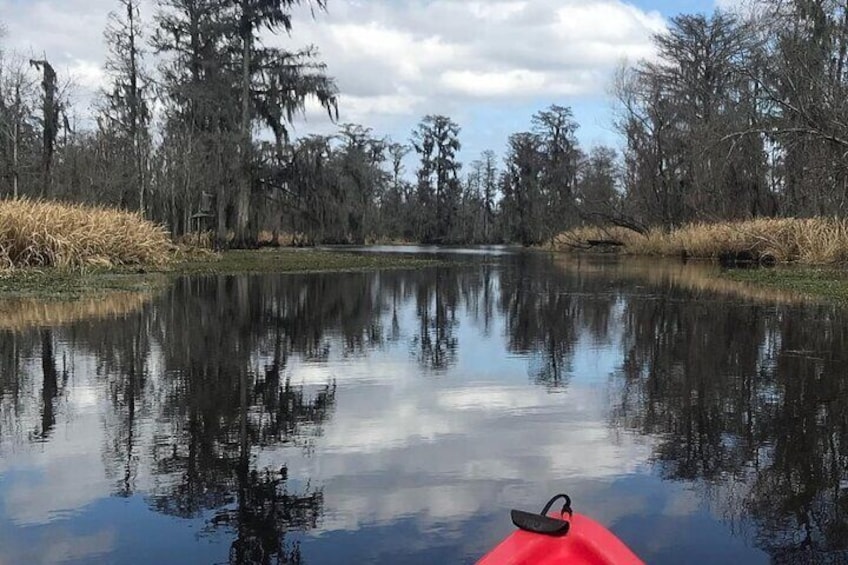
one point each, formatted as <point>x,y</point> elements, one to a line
<point>27,313</point>
<point>38,233</point>
<point>813,241</point>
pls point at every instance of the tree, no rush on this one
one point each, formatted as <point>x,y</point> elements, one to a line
<point>597,186</point>
<point>801,88</point>
<point>18,127</point>
<point>489,183</point>
<point>436,140</point>
<point>201,117</point>
<point>127,110</point>
<point>523,204</point>
<point>362,178</point>
<point>397,206</point>
<point>679,116</point>
<point>556,129</point>
<point>51,110</point>
<point>275,84</point>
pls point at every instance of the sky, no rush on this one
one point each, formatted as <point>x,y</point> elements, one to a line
<point>489,64</point>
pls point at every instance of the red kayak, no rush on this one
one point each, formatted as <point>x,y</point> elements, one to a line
<point>559,538</point>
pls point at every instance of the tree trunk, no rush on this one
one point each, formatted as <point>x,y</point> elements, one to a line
<point>244,184</point>
<point>15,140</point>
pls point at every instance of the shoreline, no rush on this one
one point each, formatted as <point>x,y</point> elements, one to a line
<point>54,284</point>
<point>67,285</point>
<point>816,282</point>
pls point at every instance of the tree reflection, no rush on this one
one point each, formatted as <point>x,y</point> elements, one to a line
<point>436,304</point>
<point>227,401</point>
<point>752,395</point>
<point>546,311</point>
<point>50,377</point>
<point>202,383</point>
<point>13,349</point>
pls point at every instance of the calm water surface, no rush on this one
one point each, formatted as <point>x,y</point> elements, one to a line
<point>396,417</point>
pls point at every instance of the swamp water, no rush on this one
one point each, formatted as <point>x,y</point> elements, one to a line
<point>397,416</point>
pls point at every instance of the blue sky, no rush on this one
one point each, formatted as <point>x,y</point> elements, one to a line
<point>489,64</point>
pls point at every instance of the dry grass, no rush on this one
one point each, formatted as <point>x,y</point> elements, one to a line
<point>812,241</point>
<point>23,314</point>
<point>36,233</point>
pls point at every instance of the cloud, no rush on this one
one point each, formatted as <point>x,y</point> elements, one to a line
<point>393,58</point>
<point>485,84</point>
<point>444,55</point>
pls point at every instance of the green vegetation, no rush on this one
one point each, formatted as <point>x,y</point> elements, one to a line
<point>827,284</point>
<point>56,284</point>
<point>64,284</point>
<point>295,261</point>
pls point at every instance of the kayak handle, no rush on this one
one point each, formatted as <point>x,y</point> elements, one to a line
<point>542,523</point>
<point>566,507</point>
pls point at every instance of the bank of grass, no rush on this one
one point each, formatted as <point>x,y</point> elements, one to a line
<point>810,241</point>
<point>67,284</point>
<point>44,234</point>
<point>810,254</point>
<point>284,260</point>
<point>52,250</point>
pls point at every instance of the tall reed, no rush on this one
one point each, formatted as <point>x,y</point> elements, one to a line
<point>39,233</point>
<point>815,241</point>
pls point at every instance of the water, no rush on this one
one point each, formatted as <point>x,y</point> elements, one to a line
<point>396,417</point>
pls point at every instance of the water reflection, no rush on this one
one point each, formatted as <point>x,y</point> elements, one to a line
<point>21,314</point>
<point>378,417</point>
<point>749,395</point>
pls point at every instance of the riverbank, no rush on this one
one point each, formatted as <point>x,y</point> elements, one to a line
<point>73,284</point>
<point>821,283</point>
<point>809,241</point>
<point>55,250</point>
<point>809,255</point>
<point>289,260</point>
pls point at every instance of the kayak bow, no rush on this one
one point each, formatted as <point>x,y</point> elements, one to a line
<point>563,538</point>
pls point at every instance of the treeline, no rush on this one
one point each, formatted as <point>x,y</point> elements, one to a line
<point>354,187</point>
<point>182,136</point>
<point>736,117</point>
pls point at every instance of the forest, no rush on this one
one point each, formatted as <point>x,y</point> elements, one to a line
<point>738,115</point>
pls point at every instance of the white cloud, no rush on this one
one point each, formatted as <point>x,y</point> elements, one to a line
<point>445,54</point>
<point>397,60</point>
<point>496,11</point>
<point>494,84</point>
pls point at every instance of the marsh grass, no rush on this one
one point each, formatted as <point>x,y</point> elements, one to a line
<point>38,233</point>
<point>811,241</point>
